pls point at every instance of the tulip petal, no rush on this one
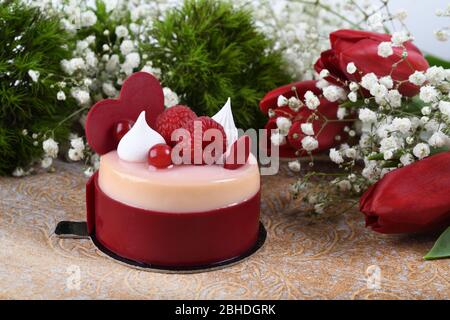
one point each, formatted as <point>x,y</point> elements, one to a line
<point>414,198</point>
<point>365,56</point>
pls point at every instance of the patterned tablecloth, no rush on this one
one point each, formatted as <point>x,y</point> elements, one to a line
<point>333,257</point>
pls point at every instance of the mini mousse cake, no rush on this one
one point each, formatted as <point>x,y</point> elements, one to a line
<point>154,207</point>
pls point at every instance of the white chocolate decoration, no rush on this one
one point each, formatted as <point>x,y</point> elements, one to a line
<point>225,118</point>
<point>134,145</point>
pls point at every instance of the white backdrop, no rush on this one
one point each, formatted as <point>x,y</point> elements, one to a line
<point>422,22</point>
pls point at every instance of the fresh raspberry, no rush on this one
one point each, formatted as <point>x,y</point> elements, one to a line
<point>198,141</point>
<point>171,119</point>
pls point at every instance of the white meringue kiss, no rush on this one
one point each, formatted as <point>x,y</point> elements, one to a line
<point>134,145</point>
<point>225,118</point>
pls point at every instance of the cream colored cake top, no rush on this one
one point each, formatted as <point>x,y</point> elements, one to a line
<point>183,188</point>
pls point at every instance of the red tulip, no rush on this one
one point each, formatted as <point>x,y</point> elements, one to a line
<point>327,135</point>
<point>414,198</point>
<point>361,48</point>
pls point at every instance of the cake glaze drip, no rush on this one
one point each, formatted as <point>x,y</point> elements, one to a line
<point>134,145</point>
<point>225,118</point>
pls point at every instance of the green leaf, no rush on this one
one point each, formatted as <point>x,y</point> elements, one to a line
<point>436,61</point>
<point>349,104</point>
<point>441,248</point>
<point>376,156</point>
<point>435,150</point>
<point>414,105</point>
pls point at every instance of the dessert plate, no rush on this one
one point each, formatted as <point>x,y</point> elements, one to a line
<point>79,230</point>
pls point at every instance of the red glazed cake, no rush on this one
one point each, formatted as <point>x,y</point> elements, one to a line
<point>144,208</point>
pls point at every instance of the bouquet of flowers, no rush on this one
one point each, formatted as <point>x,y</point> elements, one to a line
<point>378,103</point>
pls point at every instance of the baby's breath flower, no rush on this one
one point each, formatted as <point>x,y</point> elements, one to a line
<point>385,49</point>
<point>18,172</point>
<point>61,95</point>
<point>398,38</point>
<point>438,139</point>
<point>309,143</point>
<point>421,150</point>
<point>294,165</point>
<point>311,100</point>
<point>341,113</point>
<point>277,139</point>
<point>324,73</point>
<point>75,154</point>
<point>394,98</point>
<point>353,86</point>
<point>369,80</point>
<point>50,147</point>
<point>367,115</point>
<point>351,68</point>
<point>406,159</point>
<point>402,125</point>
<point>417,78</point>
<point>336,156</point>
<point>307,128</point>
<point>170,97</point>
<point>282,101</point>
<point>89,172</point>
<point>441,35</point>
<point>350,153</point>
<point>352,96</point>
<point>88,18</point>
<point>435,75</point>
<point>387,82</point>
<point>333,93</point>
<point>121,32</point>
<point>34,75</point>
<point>444,107</point>
<point>46,162</point>
<point>428,94</point>
<point>126,47</point>
<point>283,124</point>
<point>294,103</point>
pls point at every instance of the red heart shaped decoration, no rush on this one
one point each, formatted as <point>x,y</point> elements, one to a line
<point>140,92</point>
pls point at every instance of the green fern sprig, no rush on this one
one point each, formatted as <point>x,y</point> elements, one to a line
<point>29,41</point>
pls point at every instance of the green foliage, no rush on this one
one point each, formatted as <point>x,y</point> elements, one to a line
<point>209,51</point>
<point>436,61</point>
<point>441,248</point>
<point>29,41</point>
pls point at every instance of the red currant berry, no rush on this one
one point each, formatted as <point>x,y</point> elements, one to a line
<point>160,156</point>
<point>121,128</point>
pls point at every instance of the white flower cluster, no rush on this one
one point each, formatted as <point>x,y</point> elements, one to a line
<point>394,130</point>
<point>303,39</point>
<point>101,60</point>
<point>77,147</point>
<point>300,29</point>
<point>92,73</point>
<point>51,150</point>
<point>95,74</point>
<point>309,142</point>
